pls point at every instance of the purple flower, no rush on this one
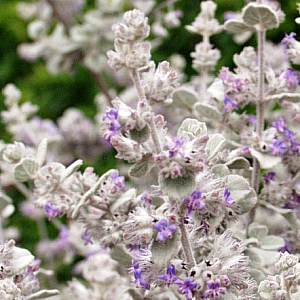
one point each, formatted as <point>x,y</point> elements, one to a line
<point>87,238</point>
<point>291,77</point>
<point>111,122</point>
<point>288,39</point>
<point>229,104</point>
<point>279,125</point>
<point>170,276</point>
<point>227,197</point>
<point>175,146</point>
<point>186,287</point>
<point>269,177</point>
<point>165,230</point>
<point>194,202</point>
<point>286,248</point>
<point>279,147</point>
<point>52,211</point>
<point>117,181</point>
<point>138,279</point>
<point>214,289</point>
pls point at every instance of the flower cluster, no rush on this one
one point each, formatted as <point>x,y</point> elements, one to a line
<point>206,205</point>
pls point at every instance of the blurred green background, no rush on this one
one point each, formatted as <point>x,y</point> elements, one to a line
<point>54,93</point>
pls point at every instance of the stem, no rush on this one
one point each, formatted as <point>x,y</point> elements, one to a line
<point>90,193</point>
<point>255,180</point>
<point>186,246</point>
<point>102,87</point>
<point>260,103</point>
<point>1,232</point>
<point>142,97</point>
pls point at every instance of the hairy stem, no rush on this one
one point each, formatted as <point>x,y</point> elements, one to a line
<point>142,97</point>
<point>102,87</point>
<point>186,246</point>
<point>255,180</point>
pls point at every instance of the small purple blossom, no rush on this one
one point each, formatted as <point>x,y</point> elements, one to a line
<point>165,230</point>
<point>111,122</point>
<point>279,125</point>
<point>87,237</point>
<point>227,197</point>
<point>289,39</point>
<point>214,290</point>
<point>229,104</point>
<point>269,177</point>
<point>186,287</point>
<point>170,276</point>
<point>138,278</point>
<point>291,77</point>
<point>52,211</point>
<point>117,181</point>
<point>175,146</point>
<point>286,248</point>
<point>194,202</point>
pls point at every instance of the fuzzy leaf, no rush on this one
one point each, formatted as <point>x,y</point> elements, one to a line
<point>140,168</point>
<point>162,253</point>
<point>123,201</point>
<point>42,152</point>
<point>192,128</point>
<point>185,97</point>
<point>220,170</point>
<point>258,231</point>
<point>272,242</point>
<point>26,170</point>
<point>207,111</point>
<point>242,193</point>
<point>266,161</point>
<point>215,144</point>
<point>71,169</point>
<point>121,256</point>
<point>43,294</point>
<point>260,15</point>
<point>140,136</point>
<point>217,90</point>
<point>237,26</point>
<point>238,163</point>
<point>177,188</point>
<point>21,258</point>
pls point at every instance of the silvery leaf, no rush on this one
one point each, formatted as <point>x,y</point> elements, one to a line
<point>140,136</point>
<point>123,201</point>
<point>272,242</point>
<point>215,144</point>
<point>241,192</point>
<point>207,111</point>
<point>71,169</point>
<point>162,253</point>
<point>135,295</point>
<point>121,256</point>
<point>229,296</point>
<point>185,97</point>
<point>260,15</point>
<point>177,188</point>
<point>237,26</point>
<point>266,257</point>
<point>266,161</point>
<point>42,152</point>
<point>140,168</point>
<point>192,128</point>
<point>220,170</point>
<point>217,90</point>
<point>43,294</point>
<point>26,170</point>
<point>238,163</point>
<point>21,258</point>
<point>257,230</point>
